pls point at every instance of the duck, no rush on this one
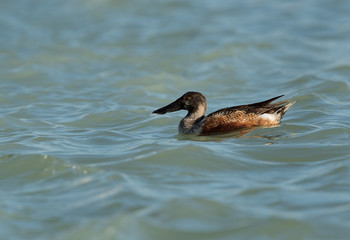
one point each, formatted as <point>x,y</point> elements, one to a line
<point>265,113</point>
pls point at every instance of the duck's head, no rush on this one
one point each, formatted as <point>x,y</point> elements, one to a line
<point>190,101</point>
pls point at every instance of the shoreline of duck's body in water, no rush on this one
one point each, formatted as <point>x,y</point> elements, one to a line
<point>224,120</point>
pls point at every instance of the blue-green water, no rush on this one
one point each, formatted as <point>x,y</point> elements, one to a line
<point>81,156</point>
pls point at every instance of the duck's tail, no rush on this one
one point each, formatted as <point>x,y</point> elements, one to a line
<point>282,107</point>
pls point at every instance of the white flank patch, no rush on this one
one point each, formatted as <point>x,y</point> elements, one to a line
<point>269,116</point>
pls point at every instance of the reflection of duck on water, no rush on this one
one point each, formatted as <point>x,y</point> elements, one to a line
<point>224,120</point>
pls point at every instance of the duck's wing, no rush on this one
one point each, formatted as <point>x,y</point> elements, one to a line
<point>257,108</point>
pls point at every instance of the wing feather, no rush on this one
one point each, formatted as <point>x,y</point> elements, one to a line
<point>257,108</point>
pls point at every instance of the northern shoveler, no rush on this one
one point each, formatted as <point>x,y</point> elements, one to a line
<point>224,120</point>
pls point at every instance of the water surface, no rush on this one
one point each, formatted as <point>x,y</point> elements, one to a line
<point>81,156</point>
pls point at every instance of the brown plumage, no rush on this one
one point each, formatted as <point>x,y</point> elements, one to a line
<point>224,120</point>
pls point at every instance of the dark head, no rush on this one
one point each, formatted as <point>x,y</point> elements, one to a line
<point>190,101</point>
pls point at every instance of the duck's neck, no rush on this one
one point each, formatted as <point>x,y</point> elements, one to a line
<point>191,124</point>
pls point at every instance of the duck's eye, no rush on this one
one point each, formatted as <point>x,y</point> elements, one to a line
<point>188,98</point>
